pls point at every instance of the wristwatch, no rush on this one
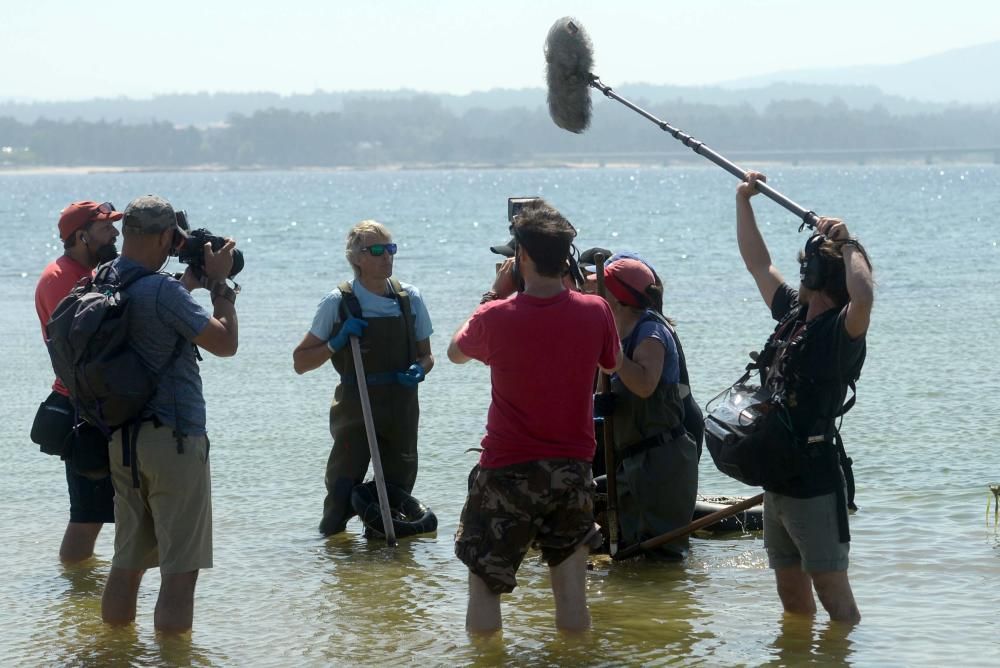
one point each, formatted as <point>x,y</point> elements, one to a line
<point>220,289</point>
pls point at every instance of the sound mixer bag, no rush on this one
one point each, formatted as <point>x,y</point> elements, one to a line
<point>750,438</point>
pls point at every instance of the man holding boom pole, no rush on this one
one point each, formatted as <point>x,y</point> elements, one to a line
<point>534,484</point>
<point>814,356</point>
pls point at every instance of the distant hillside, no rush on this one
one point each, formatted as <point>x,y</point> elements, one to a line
<point>207,109</point>
<point>926,85</point>
<point>958,76</point>
<point>421,131</point>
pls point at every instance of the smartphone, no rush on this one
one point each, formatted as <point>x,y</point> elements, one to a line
<point>514,205</point>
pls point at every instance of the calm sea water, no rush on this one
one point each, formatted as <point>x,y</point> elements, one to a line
<point>925,560</point>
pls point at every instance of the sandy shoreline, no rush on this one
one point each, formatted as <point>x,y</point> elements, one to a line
<point>80,170</point>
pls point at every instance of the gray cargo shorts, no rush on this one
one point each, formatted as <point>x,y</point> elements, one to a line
<point>803,533</point>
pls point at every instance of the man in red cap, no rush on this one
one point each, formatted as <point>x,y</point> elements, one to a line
<point>88,237</point>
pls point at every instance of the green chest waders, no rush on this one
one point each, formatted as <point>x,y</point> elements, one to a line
<point>658,466</point>
<point>388,346</point>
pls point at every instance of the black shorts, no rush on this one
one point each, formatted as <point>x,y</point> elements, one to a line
<point>90,500</point>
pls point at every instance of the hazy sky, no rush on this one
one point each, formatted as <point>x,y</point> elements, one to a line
<point>64,49</point>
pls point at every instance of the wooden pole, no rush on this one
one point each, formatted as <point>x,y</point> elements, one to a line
<point>366,409</point>
<point>632,550</point>
<point>610,465</point>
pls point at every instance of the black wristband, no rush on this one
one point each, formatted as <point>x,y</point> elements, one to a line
<point>223,290</point>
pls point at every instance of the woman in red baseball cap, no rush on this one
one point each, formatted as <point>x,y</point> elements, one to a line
<point>657,472</point>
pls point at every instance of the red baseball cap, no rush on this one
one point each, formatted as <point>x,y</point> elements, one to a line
<point>627,279</point>
<point>78,214</point>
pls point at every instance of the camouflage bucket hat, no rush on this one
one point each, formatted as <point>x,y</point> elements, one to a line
<point>150,214</point>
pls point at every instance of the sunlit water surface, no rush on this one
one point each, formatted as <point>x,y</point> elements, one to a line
<point>925,560</point>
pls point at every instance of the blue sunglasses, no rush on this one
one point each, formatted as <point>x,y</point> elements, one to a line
<point>376,250</point>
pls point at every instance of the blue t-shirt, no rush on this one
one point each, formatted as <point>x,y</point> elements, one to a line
<point>372,306</point>
<point>651,328</point>
<point>161,312</point>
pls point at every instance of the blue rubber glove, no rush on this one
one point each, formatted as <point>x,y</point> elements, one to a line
<point>351,327</point>
<point>411,376</point>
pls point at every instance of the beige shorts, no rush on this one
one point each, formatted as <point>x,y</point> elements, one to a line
<point>167,520</point>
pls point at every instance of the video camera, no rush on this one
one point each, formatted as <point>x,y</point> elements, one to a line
<point>514,207</point>
<point>515,204</point>
<point>190,249</point>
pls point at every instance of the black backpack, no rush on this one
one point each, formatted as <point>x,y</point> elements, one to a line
<point>87,337</point>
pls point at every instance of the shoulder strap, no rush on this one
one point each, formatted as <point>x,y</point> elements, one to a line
<point>108,273</point>
<point>846,464</point>
<point>681,358</point>
<point>349,304</point>
<point>403,297</point>
<point>765,357</point>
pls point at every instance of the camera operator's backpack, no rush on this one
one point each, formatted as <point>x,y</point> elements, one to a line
<point>87,338</point>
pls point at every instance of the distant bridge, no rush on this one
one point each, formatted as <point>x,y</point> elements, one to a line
<point>670,155</point>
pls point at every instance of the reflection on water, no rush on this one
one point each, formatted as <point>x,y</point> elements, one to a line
<point>383,588</point>
<point>804,641</point>
<point>75,634</point>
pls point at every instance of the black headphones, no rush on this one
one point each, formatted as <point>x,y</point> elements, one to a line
<point>813,270</point>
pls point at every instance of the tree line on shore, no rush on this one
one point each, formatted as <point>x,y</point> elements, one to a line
<point>422,131</point>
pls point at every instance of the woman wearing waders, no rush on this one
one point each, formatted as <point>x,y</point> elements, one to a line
<point>657,473</point>
<point>394,330</point>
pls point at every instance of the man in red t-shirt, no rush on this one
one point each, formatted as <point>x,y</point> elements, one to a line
<point>534,485</point>
<point>88,238</point>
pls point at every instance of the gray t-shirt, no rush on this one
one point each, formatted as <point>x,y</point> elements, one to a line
<point>163,311</point>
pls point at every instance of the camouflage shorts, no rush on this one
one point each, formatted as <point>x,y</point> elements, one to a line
<point>548,504</point>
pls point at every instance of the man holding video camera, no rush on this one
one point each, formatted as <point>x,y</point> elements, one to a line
<point>159,465</point>
<point>534,484</point>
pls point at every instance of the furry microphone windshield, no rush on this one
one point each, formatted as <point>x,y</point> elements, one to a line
<point>569,58</point>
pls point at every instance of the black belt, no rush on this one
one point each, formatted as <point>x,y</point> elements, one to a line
<point>653,441</point>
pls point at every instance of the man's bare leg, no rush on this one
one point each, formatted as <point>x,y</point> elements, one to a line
<point>483,615</point>
<point>795,590</point>
<point>569,587</point>
<point>78,541</point>
<point>120,592</point>
<point>834,591</point>
<point>175,604</point>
